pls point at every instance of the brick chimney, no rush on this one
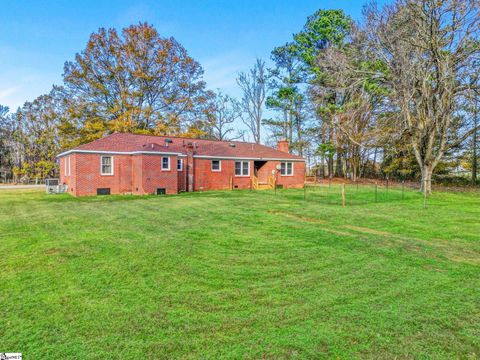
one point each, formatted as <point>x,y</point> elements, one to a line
<point>282,145</point>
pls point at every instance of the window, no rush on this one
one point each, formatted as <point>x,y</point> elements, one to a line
<point>179,164</point>
<point>216,165</point>
<point>106,165</point>
<point>165,163</point>
<point>242,168</point>
<point>67,166</point>
<point>286,169</point>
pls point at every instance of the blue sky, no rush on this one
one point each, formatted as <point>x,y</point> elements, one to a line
<point>37,37</point>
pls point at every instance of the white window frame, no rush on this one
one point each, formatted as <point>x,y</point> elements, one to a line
<point>219,165</point>
<point>161,165</point>
<point>286,168</point>
<point>112,162</point>
<point>179,162</point>
<point>241,168</point>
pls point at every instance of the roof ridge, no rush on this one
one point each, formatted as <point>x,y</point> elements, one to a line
<point>184,138</point>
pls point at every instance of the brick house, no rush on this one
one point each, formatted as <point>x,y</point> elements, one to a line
<point>144,164</point>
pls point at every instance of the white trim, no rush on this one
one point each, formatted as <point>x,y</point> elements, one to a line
<point>69,165</point>
<point>241,168</point>
<point>238,158</point>
<point>119,152</point>
<point>111,165</point>
<point>66,166</point>
<point>219,165</point>
<point>162,168</point>
<point>177,154</point>
<point>180,161</point>
<point>286,168</point>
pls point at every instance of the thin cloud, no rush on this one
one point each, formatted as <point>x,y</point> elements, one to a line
<point>221,71</point>
<point>4,93</point>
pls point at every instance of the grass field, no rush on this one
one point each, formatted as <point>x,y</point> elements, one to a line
<point>240,275</point>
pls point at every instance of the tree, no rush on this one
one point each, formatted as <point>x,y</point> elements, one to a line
<point>286,96</point>
<point>5,136</point>
<point>323,30</point>
<point>38,132</point>
<point>253,85</point>
<point>428,48</point>
<point>357,115</point>
<point>136,81</point>
<point>223,113</point>
<point>473,102</point>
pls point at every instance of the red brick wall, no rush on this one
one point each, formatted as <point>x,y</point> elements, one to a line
<point>206,179</point>
<point>294,181</point>
<point>142,174</point>
<point>138,174</point>
<point>182,176</point>
<point>154,177</point>
<point>88,178</point>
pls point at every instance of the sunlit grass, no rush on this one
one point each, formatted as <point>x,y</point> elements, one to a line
<point>241,275</point>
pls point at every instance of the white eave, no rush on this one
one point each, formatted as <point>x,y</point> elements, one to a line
<point>246,158</point>
<point>177,154</point>
<point>119,152</point>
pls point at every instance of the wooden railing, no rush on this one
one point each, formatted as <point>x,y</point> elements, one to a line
<point>254,182</point>
<point>271,181</point>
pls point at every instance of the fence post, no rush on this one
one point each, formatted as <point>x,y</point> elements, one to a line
<point>403,189</point>
<point>343,194</point>
<point>376,192</point>
<point>304,191</point>
<point>387,184</point>
<point>425,193</point>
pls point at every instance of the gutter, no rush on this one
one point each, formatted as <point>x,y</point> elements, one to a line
<point>119,152</point>
<point>177,154</point>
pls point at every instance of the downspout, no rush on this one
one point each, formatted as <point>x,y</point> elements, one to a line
<point>190,166</point>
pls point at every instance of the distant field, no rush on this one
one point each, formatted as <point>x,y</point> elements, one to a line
<point>241,275</point>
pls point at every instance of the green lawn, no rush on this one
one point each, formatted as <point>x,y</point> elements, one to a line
<point>240,275</point>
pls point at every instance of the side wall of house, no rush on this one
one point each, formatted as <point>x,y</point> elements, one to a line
<point>206,179</point>
<point>89,179</point>
<point>154,177</point>
<point>67,176</point>
<point>143,174</point>
<point>296,180</point>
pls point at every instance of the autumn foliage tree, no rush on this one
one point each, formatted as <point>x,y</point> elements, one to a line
<point>136,81</point>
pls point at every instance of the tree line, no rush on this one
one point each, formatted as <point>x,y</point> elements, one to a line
<point>394,95</point>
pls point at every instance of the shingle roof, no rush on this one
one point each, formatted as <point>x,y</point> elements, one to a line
<point>124,142</point>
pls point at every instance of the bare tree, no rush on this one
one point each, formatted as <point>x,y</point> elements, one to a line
<point>475,124</point>
<point>253,99</point>
<point>427,49</point>
<point>225,111</point>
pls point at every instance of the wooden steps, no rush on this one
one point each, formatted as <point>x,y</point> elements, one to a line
<point>264,186</point>
<point>257,185</point>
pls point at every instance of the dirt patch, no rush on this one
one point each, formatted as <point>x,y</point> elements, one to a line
<point>368,230</point>
<point>298,217</point>
<point>53,251</point>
